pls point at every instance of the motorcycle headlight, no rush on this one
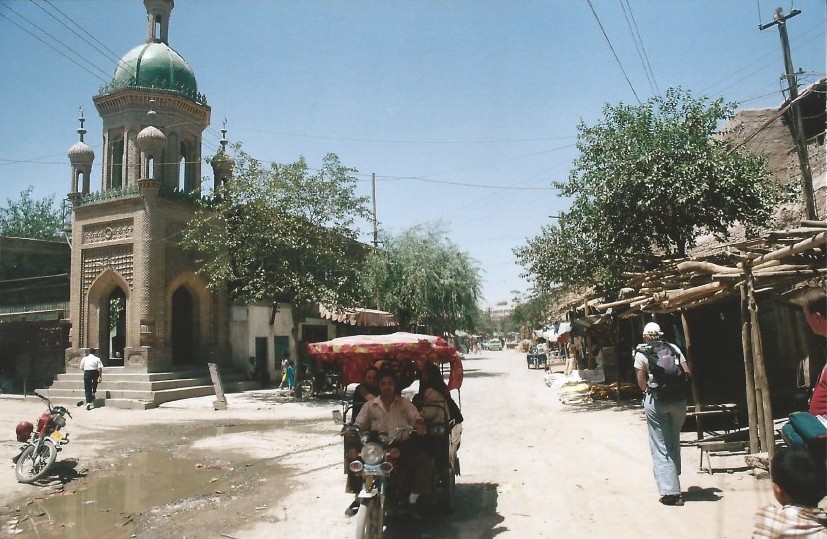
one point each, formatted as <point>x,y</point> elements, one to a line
<point>372,453</point>
<point>60,421</point>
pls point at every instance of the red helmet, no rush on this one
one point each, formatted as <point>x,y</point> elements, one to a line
<point>24,431</point>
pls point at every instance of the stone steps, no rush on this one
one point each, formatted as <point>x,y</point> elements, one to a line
<point>121,388</point>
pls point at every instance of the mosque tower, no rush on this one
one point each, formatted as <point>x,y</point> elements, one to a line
<point>134,292</point>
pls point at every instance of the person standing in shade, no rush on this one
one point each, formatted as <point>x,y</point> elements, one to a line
<point>814,303</point>
<point>92,368</point>
<point>665,413</point>
<point>284,364</point>
<point>291,375</point>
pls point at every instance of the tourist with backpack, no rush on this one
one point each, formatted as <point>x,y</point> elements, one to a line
<point>663,375</point>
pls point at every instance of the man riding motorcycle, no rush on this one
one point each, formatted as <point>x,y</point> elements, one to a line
<point>387,412</point>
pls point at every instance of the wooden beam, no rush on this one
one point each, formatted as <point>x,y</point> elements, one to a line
<point>800,247</point>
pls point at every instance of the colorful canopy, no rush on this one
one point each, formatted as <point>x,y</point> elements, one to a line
<point>358,352</point>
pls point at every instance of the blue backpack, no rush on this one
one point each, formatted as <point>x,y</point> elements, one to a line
<point>669,380</point>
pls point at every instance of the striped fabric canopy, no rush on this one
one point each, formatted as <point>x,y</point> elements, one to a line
<point>402,350</point>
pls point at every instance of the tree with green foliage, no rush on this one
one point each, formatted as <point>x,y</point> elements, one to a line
<point>529,314</point>
<point>283,233</point>
<point>425,280</point>
<point>29,218</point>
<point>649,179</point>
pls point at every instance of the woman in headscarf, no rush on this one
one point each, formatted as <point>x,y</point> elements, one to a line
<point>432,391</point>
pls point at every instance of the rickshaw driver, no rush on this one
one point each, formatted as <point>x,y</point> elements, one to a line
<point>389,411</point>
<point>364,393</point>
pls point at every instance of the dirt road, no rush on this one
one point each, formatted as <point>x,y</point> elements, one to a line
<point>268,466</point>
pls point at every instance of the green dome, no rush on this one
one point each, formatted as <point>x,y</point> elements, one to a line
<point>156,65</point>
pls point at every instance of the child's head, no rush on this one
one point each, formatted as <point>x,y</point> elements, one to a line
<point>797,478</point>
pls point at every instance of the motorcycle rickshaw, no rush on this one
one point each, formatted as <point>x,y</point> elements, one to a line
<point>407,353</point>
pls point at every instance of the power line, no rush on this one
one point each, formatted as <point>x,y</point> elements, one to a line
<point>52,46</point>
<point>647,67</point>
<point>111,52</point>
<point>760,60</point>
<point>109,56</point>
<point>394,141</point>
<point>613,51</point>
<point>476,185</point>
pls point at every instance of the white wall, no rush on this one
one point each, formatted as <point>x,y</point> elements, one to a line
<point>250,321</point>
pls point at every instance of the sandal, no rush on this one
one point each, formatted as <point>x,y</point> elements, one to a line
<point>672,499</point>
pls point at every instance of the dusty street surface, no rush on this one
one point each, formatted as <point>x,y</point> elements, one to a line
<point>271,467</point>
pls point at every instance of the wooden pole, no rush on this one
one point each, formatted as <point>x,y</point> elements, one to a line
<point>695,396</point>
<point>749,376</point>
<point>800,247</point>
<point>762,386</point>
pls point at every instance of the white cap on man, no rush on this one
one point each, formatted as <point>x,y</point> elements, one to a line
<point>652,328</point>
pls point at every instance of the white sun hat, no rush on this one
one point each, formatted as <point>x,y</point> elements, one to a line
<point>652,328</point>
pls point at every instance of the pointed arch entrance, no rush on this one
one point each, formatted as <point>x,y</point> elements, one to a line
<point>108,304</point>
<point>116,327</point>
<point>184,327</point>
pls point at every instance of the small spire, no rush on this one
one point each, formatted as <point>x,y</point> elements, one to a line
<point>223,140</point>
<point>81,129</point>
<point>151,112</point>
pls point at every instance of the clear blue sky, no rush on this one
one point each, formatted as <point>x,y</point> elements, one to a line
<point>465,110</point>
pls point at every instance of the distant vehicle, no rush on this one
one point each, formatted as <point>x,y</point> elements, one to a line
<point>536,358</point>
<point>494,344</point>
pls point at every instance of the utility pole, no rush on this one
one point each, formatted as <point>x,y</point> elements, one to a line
<point>375,234</point>
<point>796,124</point>
<point>373,198</point>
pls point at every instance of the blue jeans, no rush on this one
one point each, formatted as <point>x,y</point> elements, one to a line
<point>665,419</point>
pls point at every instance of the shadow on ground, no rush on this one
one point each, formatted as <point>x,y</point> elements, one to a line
<point>698,494</point>
<point>475,516</point>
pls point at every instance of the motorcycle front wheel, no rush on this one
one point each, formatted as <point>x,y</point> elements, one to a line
<point>370,519</point>
<point>31,467</point>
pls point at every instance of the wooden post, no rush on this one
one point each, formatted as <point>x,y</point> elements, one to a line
<point>749,375</point>
<point>695,396</point>
<point>762,386</point>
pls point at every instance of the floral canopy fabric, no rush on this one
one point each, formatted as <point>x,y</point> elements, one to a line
<point>403,351</point>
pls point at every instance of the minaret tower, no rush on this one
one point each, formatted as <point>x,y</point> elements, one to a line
<point>81,158</point>
<point>222,163</point>
<point>134,293</point>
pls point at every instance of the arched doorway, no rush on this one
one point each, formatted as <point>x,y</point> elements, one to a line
<point>184,345</point>
<point>112,327</point>
<point>116,327</point>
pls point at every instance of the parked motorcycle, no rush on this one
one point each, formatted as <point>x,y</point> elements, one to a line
<point>41,444</point>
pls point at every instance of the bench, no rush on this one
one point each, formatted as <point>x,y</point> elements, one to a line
<point>718,446</point>
<point>728,411</point>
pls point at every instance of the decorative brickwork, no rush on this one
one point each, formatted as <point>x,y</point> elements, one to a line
<point>107,232</point>
<point>118,258</point>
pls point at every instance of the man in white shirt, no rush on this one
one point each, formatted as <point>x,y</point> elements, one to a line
<point>92,368</point>
<point>389,411</point>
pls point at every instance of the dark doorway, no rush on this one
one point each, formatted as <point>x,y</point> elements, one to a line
<point>261,361</point>
<point>184,348</point>
<point>116,327</point>
<point>112,328</point>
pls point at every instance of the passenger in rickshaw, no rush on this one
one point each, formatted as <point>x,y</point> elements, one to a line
<point>405,372</point>
<point>430,399</point>
<point>366,391</point>
<point>388,412</point>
